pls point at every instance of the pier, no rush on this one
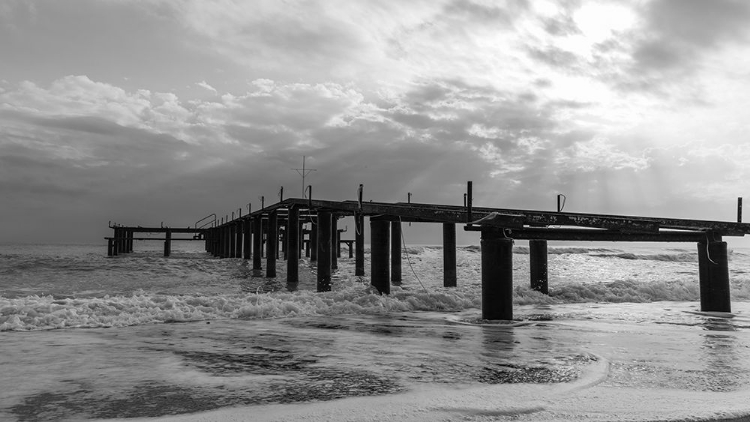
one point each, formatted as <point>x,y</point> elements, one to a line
<point>294,226</point>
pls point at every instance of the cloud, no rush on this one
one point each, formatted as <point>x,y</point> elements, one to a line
<point>206,86</point>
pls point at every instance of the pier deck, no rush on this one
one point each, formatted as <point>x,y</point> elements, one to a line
<point>246,236</point>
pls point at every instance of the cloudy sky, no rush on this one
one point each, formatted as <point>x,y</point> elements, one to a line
<point>143,111</point>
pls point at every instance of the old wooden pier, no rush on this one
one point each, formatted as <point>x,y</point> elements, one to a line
<point>286,223</point>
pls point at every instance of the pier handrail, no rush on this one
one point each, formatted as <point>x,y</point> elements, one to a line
<point>207,223</point>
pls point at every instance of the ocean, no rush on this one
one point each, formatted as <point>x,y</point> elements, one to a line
<point>196,338</point>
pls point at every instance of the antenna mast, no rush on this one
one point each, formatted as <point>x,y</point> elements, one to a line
<point>304,172</point>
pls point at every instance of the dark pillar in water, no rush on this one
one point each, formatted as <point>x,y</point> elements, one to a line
<point>338,242</point>
<point>359,240</point>
<point>215,241</point>
<point>379,246</point>
<point>238,239</point>
<point>314,242</point>
<point>284,235</point>
<point>271,249</point>
<point>257,242</point>
<point>232,244</point>
<point>114,241</point>
<point>247,229</point>
<point>713,270</point>
<point>168,244</point>
<point>396,253</point>
<point>110,247</point>
<point>324,250</point>
<point>538,265</point>
<point>350,245</point>
<point>334,242</point>
<point>497,276</point>
<point>130,241</point>
<point>292,236</point>
<point>449,255</point>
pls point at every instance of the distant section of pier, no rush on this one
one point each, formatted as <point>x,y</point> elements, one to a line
<point>311,225</point>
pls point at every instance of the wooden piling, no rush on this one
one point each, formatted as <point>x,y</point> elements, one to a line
<point>449,255</point>
<point>110,247</point>
<point>273,244</point>
<point>292,262</point>
<point>334,241</point>
<point>396,253</point>
<point>130,241</point>
<point>379,246</point>
<point>324,251</point>
<point>538,265</point>
<point>359,240</point>
<point>168,244</point>
<point>713,272</point>
<point>257,242</point>
<point>497,276</point>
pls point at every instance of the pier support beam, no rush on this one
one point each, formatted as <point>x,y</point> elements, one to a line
<point>238,239</point>
<point>359,240</point>
<point>379,246</point>
<point>449,255</point>
<point>110,247</point>
<point>324,250</point>
<point>168,244</point>
<point>538,265</point>
<point>257,242</point>
<point>314,242</point>
<point>334,241</point>
<point>273,244</point>
<point>292,236</point>
<point>232,230</point>
<point>130,241</point>
<point>497,276</point>
<point>713,270</point>
<point>396,253</point>
<point>247,232</point>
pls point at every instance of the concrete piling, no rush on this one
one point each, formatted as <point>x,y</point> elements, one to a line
<point>168,244</point>
<point>314,242</point>
<point>538,265</point>
<point>324,250</point>
<point>257,242</point>
<point>238,239</point>
<point>273,244</point>
<point>292,263</point>
<point>497,276</point>
<point>359,240</point>
<point>379,247</point>
<point>334,241</point>
<point>449,255</point>
<point>713,272</point>
<point>396,253</point>
<point>247,232</point>
<point>232,229</point>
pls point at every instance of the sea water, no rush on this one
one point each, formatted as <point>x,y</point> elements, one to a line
<point>619,337</point>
